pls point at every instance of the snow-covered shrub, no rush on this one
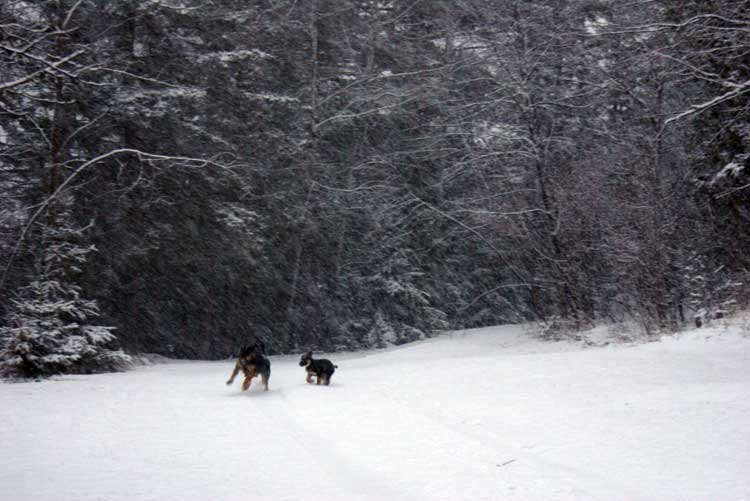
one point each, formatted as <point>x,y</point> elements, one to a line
<point>403,308</point>
<point>713,293</point>
<point>557,329</point>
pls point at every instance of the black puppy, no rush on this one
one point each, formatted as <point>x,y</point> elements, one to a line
<point>252,363</point>
<point>322,368</point>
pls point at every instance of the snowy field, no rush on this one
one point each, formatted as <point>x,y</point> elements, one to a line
<point>475,415</point>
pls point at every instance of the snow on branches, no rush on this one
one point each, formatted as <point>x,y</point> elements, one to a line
<point>49,328</point>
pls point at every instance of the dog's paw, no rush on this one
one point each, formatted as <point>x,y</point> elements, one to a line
<point>228,383</point>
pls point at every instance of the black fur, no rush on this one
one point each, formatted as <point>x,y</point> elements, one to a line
<point>254,355</point>
<point>262,365</point>
<point>257,348</point>
<point>322,368</point>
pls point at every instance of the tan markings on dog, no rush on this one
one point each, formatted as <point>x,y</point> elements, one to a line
<point>250,373</point>
<point>237,368</point>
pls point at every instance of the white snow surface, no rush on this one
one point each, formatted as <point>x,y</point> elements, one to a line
<point>474,415</point>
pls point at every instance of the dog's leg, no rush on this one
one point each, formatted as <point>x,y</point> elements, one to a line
<point>264,380</point>
<point>309,377</point>
<point>327,379</point>
<point>236,371</point>
<point>246,383</point>
<point>318,375</point>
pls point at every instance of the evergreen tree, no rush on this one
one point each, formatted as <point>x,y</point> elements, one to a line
<point>50,327</point>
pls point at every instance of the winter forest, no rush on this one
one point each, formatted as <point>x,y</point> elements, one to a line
<point>180,176</point>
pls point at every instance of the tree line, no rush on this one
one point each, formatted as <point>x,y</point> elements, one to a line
<point>179,176</point>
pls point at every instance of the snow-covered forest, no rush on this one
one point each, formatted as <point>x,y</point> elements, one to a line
<point>177,176</point>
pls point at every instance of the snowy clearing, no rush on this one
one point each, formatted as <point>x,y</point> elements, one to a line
<point>482,414</point>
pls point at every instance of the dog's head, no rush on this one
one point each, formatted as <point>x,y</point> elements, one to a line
<point>249,356</point>
<point>305,359</point>
<point>246,351</point>
<point>257,348</point>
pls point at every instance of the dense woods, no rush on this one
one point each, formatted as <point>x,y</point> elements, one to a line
<point>181,176</point>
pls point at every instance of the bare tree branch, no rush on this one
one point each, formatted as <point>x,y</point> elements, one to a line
<point>197,162</point>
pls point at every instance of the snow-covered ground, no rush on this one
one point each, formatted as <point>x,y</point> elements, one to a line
<point>483,414</point>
